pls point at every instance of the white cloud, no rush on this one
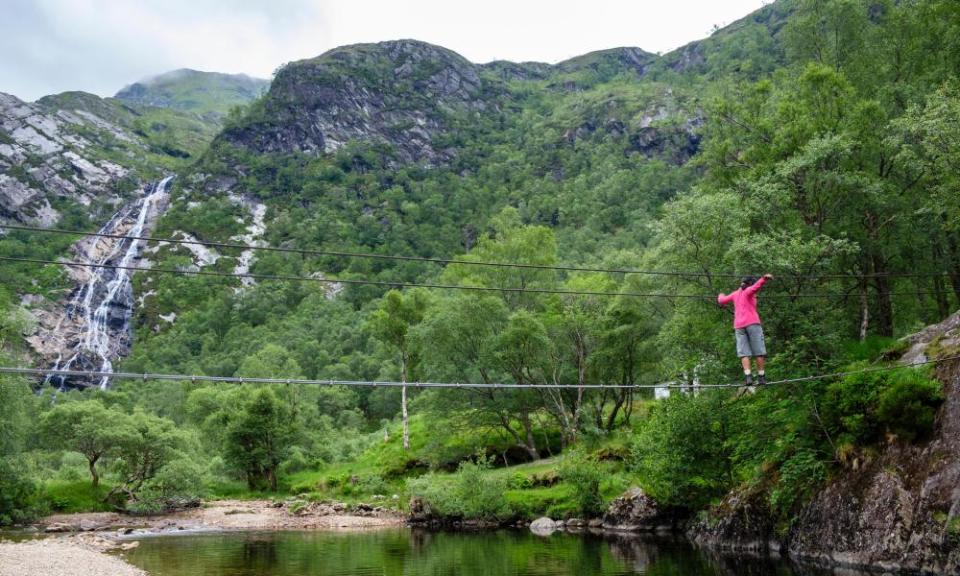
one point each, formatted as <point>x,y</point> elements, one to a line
<point>50,46</point>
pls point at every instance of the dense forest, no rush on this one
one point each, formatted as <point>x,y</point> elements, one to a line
<point>814,140</point>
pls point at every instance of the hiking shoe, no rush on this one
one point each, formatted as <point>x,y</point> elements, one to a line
<point>761,380</point>
<point>748,378</point>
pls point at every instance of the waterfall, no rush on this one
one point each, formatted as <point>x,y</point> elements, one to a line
<point>102,305</point>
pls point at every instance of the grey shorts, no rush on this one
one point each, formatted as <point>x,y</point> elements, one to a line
<point>750,341</point>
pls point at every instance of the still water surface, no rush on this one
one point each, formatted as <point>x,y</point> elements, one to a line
<point>404,552</point>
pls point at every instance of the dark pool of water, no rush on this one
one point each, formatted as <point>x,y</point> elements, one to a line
<point>403,552</point>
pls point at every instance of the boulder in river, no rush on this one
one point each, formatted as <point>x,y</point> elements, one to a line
<point>543,526</point>
<point>637,512</point>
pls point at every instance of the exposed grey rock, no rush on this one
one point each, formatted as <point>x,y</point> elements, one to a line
<point>399,93</point>
<point>741,522</point>
<point>544,526</point>
<point>58,527</point>
<point>47,153</point>
<point>902,510</point>
<point>91,328</point>
<point>945,335</point>
<point>420,510</point>
<point>637,512</point>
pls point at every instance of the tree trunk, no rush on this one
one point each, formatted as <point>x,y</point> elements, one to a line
<point>617,405</point>
<point>954,245</point>
<point>93,470</point>
<point>403,403</point>
<point>531,443</point>
<point>864,311</point>
<point>943,305</point>
<point>884,316</point>
<point>530,449</point>
<point>578,406</point>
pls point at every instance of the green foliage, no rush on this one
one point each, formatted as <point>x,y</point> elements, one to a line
<point>76,496</point>
<point>812,139</point>
<point>682,453</point>
<point>87,427</point>
<point>471,493</point>
<point>798,477</point>
<point>585,476</point>
<point>259,439</point>
<point>19,500</point>
<point>194,91</point>
<point>908,405</point>
<point>860,408</point>
<point>145,451</point>
<point>177,484</point>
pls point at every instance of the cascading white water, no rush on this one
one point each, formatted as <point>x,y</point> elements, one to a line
<point>107,290</point>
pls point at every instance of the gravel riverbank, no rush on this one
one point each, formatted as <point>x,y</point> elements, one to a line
<point>75,544</point>
<point>60,557</point>
<point>228,515</point>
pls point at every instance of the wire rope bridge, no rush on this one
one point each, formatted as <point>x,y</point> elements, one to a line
<point>447,261</point>
<point>196,378</point>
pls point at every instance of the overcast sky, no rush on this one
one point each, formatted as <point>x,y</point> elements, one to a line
<point>49,46</point>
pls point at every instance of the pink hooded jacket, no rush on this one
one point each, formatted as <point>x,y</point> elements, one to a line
<point>744,304</point>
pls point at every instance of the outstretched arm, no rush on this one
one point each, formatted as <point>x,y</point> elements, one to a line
<point>758,284</point>
<point>724,299</point>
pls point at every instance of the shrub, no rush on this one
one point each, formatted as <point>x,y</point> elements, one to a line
<point>179,484</point>
<point>519,481</point>
<point>76,496</point>
<point>861,407</point>
<point>470,493</point>
<point>908,406</point>
<point>296,461</point>
<point>19,500</point>
<point>799,476</point>
<point>481,494</point>
<point>73,467</point>
<point>585,476</point>
<point>682,452</point>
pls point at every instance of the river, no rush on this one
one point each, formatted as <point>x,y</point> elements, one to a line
<point>418,553</point>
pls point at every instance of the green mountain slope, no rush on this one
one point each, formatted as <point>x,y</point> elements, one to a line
<point>203,93</point>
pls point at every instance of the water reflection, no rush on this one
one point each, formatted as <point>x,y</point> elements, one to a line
<point>415,553</point>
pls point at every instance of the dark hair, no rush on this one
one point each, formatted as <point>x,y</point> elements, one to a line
<point>748,281</point>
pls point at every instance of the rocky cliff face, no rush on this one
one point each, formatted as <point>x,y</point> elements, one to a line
<point>410,96</point>
<point>401,93</point>
<point>79,148</point>
<point>48,154</point>
<point>901,510</point>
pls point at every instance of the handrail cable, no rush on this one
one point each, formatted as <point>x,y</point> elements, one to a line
<point>376,383</point>
<point>358,281</point>
<point>369,255</point>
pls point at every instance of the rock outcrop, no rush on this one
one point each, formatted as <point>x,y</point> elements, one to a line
<point>637,512</point>
<point>47,154</point>
<point>899,511</point>
<point>398,93</point>
<point>903,509</point>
